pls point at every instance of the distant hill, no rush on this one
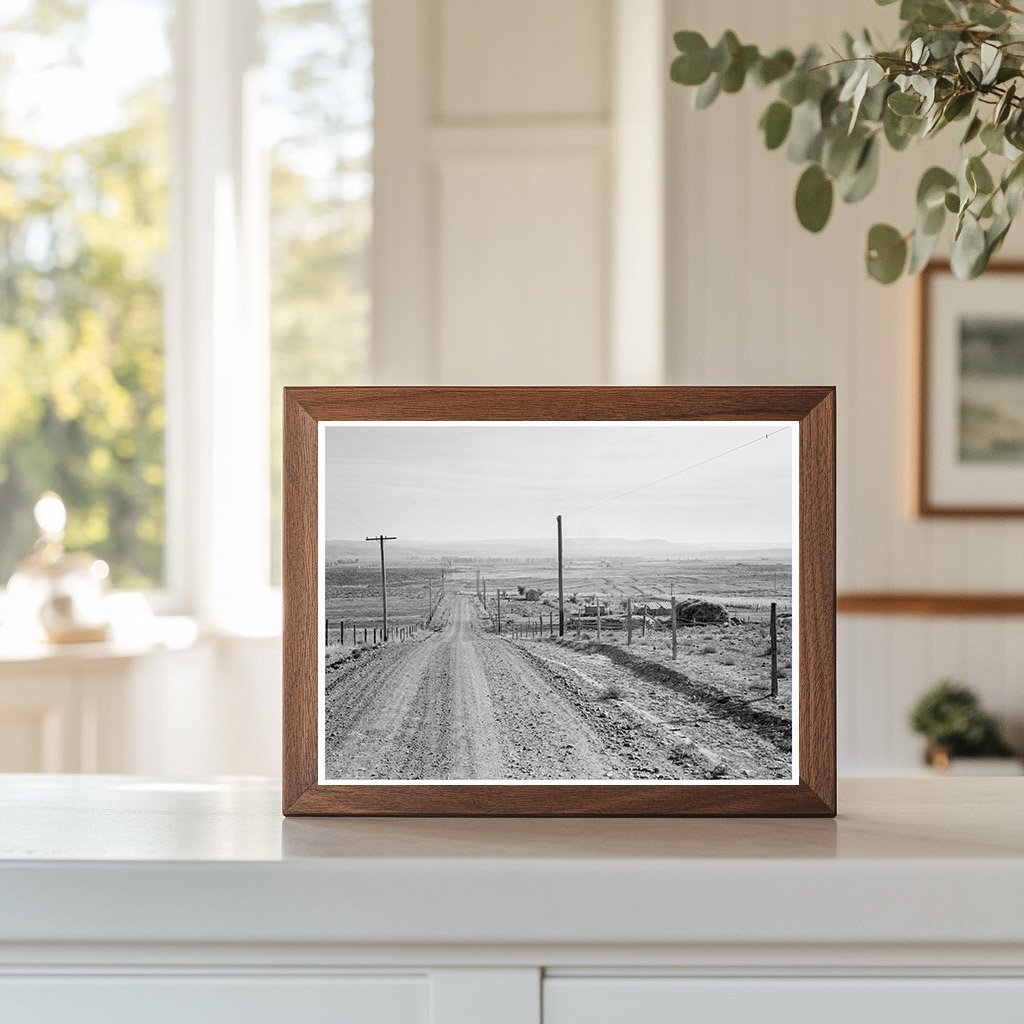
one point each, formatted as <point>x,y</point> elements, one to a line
<point>597,547</point>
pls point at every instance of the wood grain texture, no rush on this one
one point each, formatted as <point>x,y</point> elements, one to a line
<point>923,503</point>
<point>813,407</point>
<point>925,603</point>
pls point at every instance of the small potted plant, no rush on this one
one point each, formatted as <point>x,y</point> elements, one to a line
<point>950,718</point>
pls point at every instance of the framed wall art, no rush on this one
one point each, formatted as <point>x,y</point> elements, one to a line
<point>559,601</point>
<point>970,444</point>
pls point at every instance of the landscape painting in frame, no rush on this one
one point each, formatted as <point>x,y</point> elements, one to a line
<point>544,602</point>
<point>972,393</point>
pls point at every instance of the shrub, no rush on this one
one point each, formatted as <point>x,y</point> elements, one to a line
<point>949,716</point>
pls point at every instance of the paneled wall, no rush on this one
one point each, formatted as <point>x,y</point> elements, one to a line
<point>503,131</point>
<point>753,299</point>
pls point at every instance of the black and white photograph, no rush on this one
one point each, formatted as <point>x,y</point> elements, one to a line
<point>609,602</point>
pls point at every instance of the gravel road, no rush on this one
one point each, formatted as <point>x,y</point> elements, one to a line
<point>463,703</point>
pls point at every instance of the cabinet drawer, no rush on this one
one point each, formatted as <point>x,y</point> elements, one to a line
<point>625,1000</point>
<point>202,999</point>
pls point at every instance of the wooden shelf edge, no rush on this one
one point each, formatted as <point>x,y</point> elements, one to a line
<point>928,603</point>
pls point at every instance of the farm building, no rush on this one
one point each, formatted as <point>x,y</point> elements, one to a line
<point>655,608</point>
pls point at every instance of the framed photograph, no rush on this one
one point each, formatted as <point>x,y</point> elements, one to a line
<point>970,450</point>
<point>559,601</point>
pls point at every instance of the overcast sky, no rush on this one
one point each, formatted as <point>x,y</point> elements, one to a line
<point>485,481</point>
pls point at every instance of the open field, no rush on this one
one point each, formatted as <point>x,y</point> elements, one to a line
<point>459,700</point>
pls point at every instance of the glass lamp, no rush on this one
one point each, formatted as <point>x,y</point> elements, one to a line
<point>56,595</point>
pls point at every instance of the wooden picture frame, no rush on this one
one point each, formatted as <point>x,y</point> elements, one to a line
<point>810,411</point>
<point>930,377</point>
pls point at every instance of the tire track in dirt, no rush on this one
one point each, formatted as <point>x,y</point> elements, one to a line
<point>458,704</point>
<point>463,703</point>
<point>703,739</point>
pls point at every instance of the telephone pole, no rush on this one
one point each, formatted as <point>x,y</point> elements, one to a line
<point>380,538</point>
<point>561,606</point>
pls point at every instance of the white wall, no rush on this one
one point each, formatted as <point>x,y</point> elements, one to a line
<point>754,299</point>
<point>505,132</point>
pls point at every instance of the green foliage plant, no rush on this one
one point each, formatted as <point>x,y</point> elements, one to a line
<point>957,62</point>
<point>950,717</point>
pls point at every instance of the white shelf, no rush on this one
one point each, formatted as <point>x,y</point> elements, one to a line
<point>123,860</point>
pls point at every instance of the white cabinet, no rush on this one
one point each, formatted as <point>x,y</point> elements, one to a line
<point>202,999</point>
<point>126,899</point>
<point>667,1000</point>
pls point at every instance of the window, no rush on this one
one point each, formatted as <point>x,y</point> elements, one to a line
<point>317,117</point>
<point>83,236</point>
<point>239,217</point>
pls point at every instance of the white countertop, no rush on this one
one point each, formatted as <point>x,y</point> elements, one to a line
<point>122,859</point>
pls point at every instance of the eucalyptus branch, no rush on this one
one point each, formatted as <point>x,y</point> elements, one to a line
<point>955,59</point>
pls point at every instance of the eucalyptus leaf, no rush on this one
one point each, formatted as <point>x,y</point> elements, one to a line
<point>993,138</point>
<point>724,51</point>
<point>987,15</point>
<point>794,88</point>
<point>886,253</point>
<point>771,69</point>
<point>957,106</point>
<point>922,247</point>
<point>978,176</point>
<point>1005,105</point>
<point>931,190</point>
<point>865,173</point>
<point>805,133</point>
<point>775,124</point>
<point>735,74</point>
<point>904,103</point>
<point>707,93</point>
<point>840,152</point>
<point>991,60</point>
<point>932,221</point>
<point>968,248</point>
<point>814,196</point>
<point>973,130</point>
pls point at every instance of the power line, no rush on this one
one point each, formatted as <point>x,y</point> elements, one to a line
<point>679,472</point>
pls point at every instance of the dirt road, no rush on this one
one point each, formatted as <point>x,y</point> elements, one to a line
<point>464,703</point>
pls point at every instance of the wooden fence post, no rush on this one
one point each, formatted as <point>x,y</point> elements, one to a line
<point>599,620</point>
<point>629,620</point>
<point>579,621</point>
<point>643,624</point>
<point>551,624</point>
<point>775,655</point>
<point>499,611</point>
<point>674,629</point>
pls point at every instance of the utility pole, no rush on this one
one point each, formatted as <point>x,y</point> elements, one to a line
<point>775,654</point>
<point>561,606</point>
<point>380,538</point>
